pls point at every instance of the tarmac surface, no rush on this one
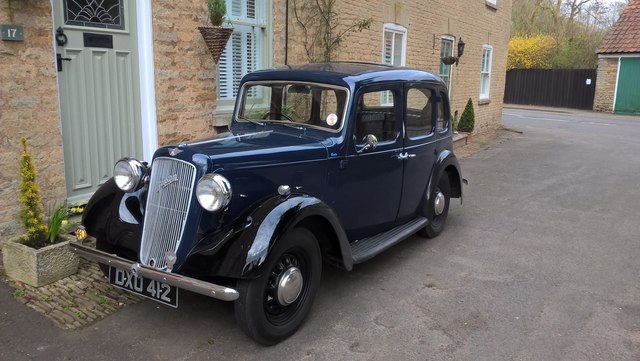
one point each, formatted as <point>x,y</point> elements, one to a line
<point>540,263</point>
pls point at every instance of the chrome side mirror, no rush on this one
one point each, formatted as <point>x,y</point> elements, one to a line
<point>371,142</point>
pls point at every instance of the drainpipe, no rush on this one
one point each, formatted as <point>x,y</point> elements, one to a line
<point>286,33</point>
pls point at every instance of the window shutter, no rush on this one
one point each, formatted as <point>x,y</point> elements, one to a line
<point>242,53</point>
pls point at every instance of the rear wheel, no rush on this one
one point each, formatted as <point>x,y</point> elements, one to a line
<point>272,307</point>
<point>437,208</point>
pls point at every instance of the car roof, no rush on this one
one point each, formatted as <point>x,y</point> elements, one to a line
<point>342,73</point>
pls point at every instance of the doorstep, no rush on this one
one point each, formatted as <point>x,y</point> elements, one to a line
<point>459,140</point>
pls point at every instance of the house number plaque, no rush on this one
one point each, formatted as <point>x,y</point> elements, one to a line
<point>11,32</point>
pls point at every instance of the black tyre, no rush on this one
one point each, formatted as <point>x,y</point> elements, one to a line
<point>437,208</point>
<point>272,307</point>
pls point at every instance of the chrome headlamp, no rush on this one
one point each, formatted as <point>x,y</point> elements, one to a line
<point>128,173</point>
<point>213,192</point>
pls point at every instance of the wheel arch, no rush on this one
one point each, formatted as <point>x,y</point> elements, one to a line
<point>446,163</point>
<point>244,256</point>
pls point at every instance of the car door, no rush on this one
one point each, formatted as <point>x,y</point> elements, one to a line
<point>368,187</point>
<point>420,138</point>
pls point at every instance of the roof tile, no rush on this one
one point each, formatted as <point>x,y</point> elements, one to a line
<point>625,35</point>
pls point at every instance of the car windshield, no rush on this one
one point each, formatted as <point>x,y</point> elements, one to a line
<point>297,104</point>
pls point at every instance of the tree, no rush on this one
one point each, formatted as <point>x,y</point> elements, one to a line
<point>322,31</point>
<point>577,26</point>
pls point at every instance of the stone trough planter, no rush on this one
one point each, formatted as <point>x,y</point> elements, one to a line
<point>38,267</point>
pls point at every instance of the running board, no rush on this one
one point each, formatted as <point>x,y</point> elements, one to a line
<point>367,248</point>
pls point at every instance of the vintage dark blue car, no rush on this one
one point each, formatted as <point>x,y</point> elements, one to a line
<point>331,162</point>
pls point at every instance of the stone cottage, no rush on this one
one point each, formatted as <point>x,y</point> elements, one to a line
<point>618,87</point>
<point>88,82</point>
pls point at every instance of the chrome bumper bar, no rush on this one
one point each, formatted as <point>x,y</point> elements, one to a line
<point>190,284</point>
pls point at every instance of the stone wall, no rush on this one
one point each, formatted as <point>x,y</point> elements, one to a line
<point>185,73</point>
<point>606,84</point>
<point>477,23</point>
<point>28,108</point>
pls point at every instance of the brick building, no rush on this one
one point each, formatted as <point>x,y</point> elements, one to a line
<point>618,87</point>
<point>132,75</point>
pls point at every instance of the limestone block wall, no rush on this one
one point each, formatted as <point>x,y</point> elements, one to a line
<point>606,84</point>
<point>473,20</point>
<point>185,73</point>
<point>28,108</point>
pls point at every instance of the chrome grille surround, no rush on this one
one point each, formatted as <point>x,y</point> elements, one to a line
<point>168,200</point>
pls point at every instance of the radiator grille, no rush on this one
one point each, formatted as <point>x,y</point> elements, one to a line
<point>168,200</point>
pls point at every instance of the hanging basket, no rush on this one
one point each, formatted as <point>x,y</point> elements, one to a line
<point>449,60</point>
<point>216,39</point>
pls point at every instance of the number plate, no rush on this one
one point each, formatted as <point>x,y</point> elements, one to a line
<point>155,290</point>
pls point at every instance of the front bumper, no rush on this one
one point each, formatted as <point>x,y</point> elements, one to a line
<point>187,283</point>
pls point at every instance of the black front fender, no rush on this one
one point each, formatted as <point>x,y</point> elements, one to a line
<point>246,252</point>
<point>98,207</point>
<point>115,217</point>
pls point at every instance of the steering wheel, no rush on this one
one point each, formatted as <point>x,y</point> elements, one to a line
<point>267,116</point>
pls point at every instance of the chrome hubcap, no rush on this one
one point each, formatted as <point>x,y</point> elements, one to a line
<point>438,205</point>
<point>289,286</point>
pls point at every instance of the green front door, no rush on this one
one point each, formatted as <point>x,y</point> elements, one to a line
<point>99,89</point>
<point>628,93</point>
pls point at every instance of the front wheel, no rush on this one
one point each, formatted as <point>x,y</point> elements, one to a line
<point>437,208</point>
<point>272,307</point>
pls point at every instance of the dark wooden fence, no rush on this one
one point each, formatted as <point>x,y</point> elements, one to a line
<point>567,88</point>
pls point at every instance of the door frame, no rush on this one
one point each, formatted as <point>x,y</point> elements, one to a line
<point>146,77</point>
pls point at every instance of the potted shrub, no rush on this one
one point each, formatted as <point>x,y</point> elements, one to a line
<point>467,120</point>
<point>40,256</point>
<point>216,36</point>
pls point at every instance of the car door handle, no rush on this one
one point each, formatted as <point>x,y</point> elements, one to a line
<point>405,155</point>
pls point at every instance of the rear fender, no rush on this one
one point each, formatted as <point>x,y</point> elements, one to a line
<point>446,165</point>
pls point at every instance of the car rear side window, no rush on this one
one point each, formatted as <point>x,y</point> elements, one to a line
<point>419,117</point>
<point>376,115</point>
<point>443,114</point>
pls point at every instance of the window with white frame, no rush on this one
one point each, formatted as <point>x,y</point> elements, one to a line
<point>446,50</point>
<point>492,2</point>
<point>394,44</point>
<point>485,71</point>
<point>247,50</point>
<point>394,51</point>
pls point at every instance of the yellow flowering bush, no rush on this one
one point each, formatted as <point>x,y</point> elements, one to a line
<point>31,213</point>
<point>39,232</point>
<point>531,52</point>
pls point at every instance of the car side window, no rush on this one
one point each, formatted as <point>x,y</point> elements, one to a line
<point>419,117</point>
<point>443,115</point>
<point>376,114</point>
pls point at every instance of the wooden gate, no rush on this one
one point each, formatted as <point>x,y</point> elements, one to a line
<point>566,88</point>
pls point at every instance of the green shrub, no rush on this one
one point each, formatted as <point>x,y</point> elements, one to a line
<point>58,222</point>
<point>217,11</point>
<point>468,118</point>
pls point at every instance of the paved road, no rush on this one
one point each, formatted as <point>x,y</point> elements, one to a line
<point>541,263</point>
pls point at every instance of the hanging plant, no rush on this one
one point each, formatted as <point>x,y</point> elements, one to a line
<point>216,36</point>
<point>449,60</point>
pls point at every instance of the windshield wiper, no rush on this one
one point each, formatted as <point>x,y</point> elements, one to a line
<point>289,124</point>
<point>252,121</point>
